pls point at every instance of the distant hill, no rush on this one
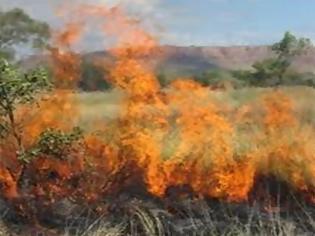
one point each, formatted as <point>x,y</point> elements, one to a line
<point>185,61</point>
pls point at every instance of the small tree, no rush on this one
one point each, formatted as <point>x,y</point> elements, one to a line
<point>54,147</point>
<point>18,28</point>
<point>17,88</point>
<point>269,70</point>
<point>290,47</point>
<point>286,51</point>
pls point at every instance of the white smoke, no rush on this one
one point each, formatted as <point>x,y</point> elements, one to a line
<point>148,11</point>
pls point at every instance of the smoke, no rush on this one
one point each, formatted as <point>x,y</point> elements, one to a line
<point>146,10</point>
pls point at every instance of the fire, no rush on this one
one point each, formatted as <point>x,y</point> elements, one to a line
<point>164,138</point>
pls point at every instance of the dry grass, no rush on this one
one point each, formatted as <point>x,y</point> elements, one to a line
<point>200,218</point>
<point>99,106</point>
<point>4,231</point>
<point>103,106</point>
<point>190,217</point>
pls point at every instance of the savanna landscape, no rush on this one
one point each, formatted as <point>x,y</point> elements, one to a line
<point>145,138</point>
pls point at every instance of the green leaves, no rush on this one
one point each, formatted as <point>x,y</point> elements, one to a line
<point>20,88</point>
<point>273,71</point>
<point>54,143</point>
<point>3,129</point>
<point>17,87</point>
<point>16,28</point>
<point>270,68</point>
<point>290,46</point>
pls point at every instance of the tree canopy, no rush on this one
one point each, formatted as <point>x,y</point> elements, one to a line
<point>19,29</point>
<point>273,71</point>
<point>290,46</point>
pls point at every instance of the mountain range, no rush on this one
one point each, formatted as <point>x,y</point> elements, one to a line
<point>186,61</point>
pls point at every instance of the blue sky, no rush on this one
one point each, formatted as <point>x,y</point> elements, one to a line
<point>205,22</point>
<point>240,21</point>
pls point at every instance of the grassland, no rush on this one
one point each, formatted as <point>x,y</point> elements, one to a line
<point>98,106</point>
<point>103,106</point>
<point>140,215</point>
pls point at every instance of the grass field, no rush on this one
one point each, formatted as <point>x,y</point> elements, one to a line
<point>197,217</point>
<point>142,215</point>
<point>99,106</point>
<point>103,106</point>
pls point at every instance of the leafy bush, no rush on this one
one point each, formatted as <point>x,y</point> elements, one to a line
<point>54,143</point>
<point>276,71</point>
<point>17,88</point>
<point>23,168</point>
<point>18,28</point>
<point>219,78</point>
<point>93,77</point>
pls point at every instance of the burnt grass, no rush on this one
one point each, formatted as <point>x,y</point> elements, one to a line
<point>273,208</point>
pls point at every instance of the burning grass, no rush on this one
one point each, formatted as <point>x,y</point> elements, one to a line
<point>164,146</point>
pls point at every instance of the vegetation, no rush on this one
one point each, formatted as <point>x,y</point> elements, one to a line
<point>17,88</point>
<point>135,213</point>
<point>220,79</point>
<point>275,71</point>
<point>93,77</point>
<point>267,73</point>
<point>19,29</point>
